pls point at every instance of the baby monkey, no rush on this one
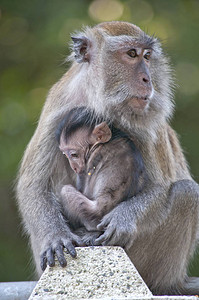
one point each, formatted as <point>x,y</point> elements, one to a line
<point>108,166</point>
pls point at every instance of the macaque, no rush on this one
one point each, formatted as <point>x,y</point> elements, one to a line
<point>109,167</point>
<point>122,74</point>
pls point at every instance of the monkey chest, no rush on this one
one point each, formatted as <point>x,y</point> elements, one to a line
<point>89,184</point>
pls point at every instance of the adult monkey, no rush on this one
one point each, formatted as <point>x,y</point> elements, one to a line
<point>122,73</point>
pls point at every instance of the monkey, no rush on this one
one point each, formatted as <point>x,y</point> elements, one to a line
<point>122,73</point>
<point>108,166</point>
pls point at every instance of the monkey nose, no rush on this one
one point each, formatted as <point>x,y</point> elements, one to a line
<point>146,83</point>
<point>145,78</point>
<point>79,171</point>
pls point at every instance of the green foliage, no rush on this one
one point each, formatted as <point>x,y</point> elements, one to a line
<point>34,37</point>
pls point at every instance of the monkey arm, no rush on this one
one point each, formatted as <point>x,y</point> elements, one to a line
<point>121,224</point>
<point>43,219</point>
<point>181,166</point>
<point>146,212</point>
<point>39,174</point>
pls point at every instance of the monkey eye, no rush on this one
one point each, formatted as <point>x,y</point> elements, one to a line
<point>132,53</point>
<point>147,55</point>
<point>74,155</point>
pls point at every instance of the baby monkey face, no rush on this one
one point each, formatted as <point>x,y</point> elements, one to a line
<point>76,148</point>
<point>77,145</point>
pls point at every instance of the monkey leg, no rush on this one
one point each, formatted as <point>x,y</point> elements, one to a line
<point>78,207</point>
<point>158,229</point>
<point>162,256</point>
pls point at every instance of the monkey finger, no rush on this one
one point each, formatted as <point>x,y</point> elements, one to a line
<point>70,248</point>
<point>99,240</point>
<point>100,227</point>
<point>103,239</point>
<point>103,225</point>
<point>43,261</point>
<point>78,241</point>
<point>123,240</point>
<point>109,242</point>
<point>60,255</point>
<point>105,222</point>
<point>50,257</point>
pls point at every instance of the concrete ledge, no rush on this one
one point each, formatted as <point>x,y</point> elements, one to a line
<point>19,290</point>
<point>97,273</point>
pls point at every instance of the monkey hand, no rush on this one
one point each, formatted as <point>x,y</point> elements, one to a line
<point>119,228</point>
<point>54,245</point>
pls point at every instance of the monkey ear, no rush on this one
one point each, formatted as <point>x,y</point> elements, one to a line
<point>81,47</point>
<point>101,133</point>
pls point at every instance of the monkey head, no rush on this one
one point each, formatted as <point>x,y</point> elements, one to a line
<point>80,143</point>
<point>126,72</point>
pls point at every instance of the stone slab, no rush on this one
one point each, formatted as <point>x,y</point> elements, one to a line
<point>104,273</point>
<point>96,273</point>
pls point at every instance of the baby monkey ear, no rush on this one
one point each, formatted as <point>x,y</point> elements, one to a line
<point>101,133</point>
<point>81,47</point>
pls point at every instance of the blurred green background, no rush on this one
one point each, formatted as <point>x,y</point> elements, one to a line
<point>34,38</point>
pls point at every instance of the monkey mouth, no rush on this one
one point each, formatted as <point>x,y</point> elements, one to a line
<point>139,103</point>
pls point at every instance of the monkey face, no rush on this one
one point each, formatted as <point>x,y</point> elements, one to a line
<point>133,83</point>
<point>75,148</point>
<point>129,76</point>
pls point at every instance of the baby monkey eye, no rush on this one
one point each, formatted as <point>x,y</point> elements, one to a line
<point>147,55</point>
<point>132,53</point>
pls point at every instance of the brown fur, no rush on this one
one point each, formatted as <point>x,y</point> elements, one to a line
<point>112,172</point>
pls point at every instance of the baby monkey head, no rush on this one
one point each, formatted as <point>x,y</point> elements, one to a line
<point>79,133</point>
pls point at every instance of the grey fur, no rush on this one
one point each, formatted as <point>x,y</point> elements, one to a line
<point>159,227</point>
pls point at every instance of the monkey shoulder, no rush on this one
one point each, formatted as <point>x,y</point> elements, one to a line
<point>120,153</point>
